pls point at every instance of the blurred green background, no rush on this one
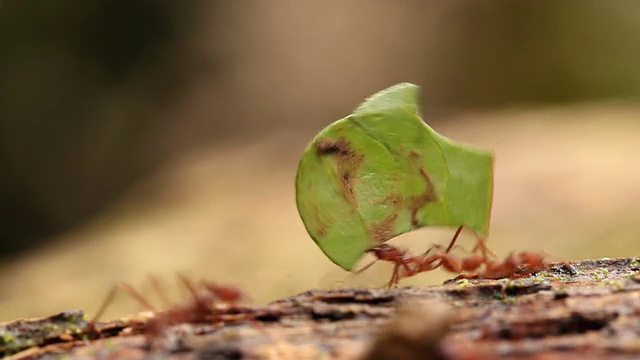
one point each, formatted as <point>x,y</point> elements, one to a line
<point>155,137</point>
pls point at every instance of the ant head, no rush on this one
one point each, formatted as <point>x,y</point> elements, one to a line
<point>225,293</point>
<point>533,258</point>
<point>383,251</point>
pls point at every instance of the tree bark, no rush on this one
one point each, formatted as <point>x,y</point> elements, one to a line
<point>588,310</point>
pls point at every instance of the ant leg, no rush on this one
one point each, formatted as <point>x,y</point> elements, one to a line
<point>137,296</point>
<point>105,304</point>
<point>359,271</point>
<point>442,249</point>
<point>455,238</point>
<point>428,266</point>
<point>396,256</point>
<point>433,247</point>
<point>160,292</point>
<point>482,248</point>
<point>421,264</point>
<point>395,276</point>
<point>188,284</point>
<point>111,296</point>
<point>366,267</point>
<point>362,269</point>
<point>466,276</point>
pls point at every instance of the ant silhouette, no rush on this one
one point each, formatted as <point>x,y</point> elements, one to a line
<point>515,265</point>
<point>201,307</point>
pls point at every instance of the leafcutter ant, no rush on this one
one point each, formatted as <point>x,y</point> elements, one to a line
<point>481,260</point>
<point>202,307</point>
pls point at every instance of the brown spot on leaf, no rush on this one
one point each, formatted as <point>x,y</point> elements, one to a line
<point>384,230</point>
<point>394,199</point>
<point>333,146</point>
<point>322,225</point>
<point>322,231</point>
<point>348,162</point>
<point>416,202</point>
<point>428,195</point>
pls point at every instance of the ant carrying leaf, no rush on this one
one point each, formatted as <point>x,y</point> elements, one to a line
<point>381,172</point>
<point>481,263</point>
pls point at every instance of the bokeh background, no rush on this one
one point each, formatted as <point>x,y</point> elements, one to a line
<point>159,137</point>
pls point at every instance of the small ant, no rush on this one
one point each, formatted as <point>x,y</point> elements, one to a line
<point>201,308</point>
<point>405,265</point>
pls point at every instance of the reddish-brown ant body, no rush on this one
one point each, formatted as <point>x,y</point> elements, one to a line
<point>516,265</point>
<point>405,265</point>
<point>201,307</point>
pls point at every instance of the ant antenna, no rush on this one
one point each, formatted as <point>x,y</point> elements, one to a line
<point>137,296</point>
<point>112,294</point>
<point>188,284</point>
<point>105,304</point>
<point>158,289</point>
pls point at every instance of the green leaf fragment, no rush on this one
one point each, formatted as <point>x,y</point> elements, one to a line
<point>381,172</point>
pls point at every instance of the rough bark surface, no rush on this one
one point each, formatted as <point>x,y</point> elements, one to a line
<point>588,310</point>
